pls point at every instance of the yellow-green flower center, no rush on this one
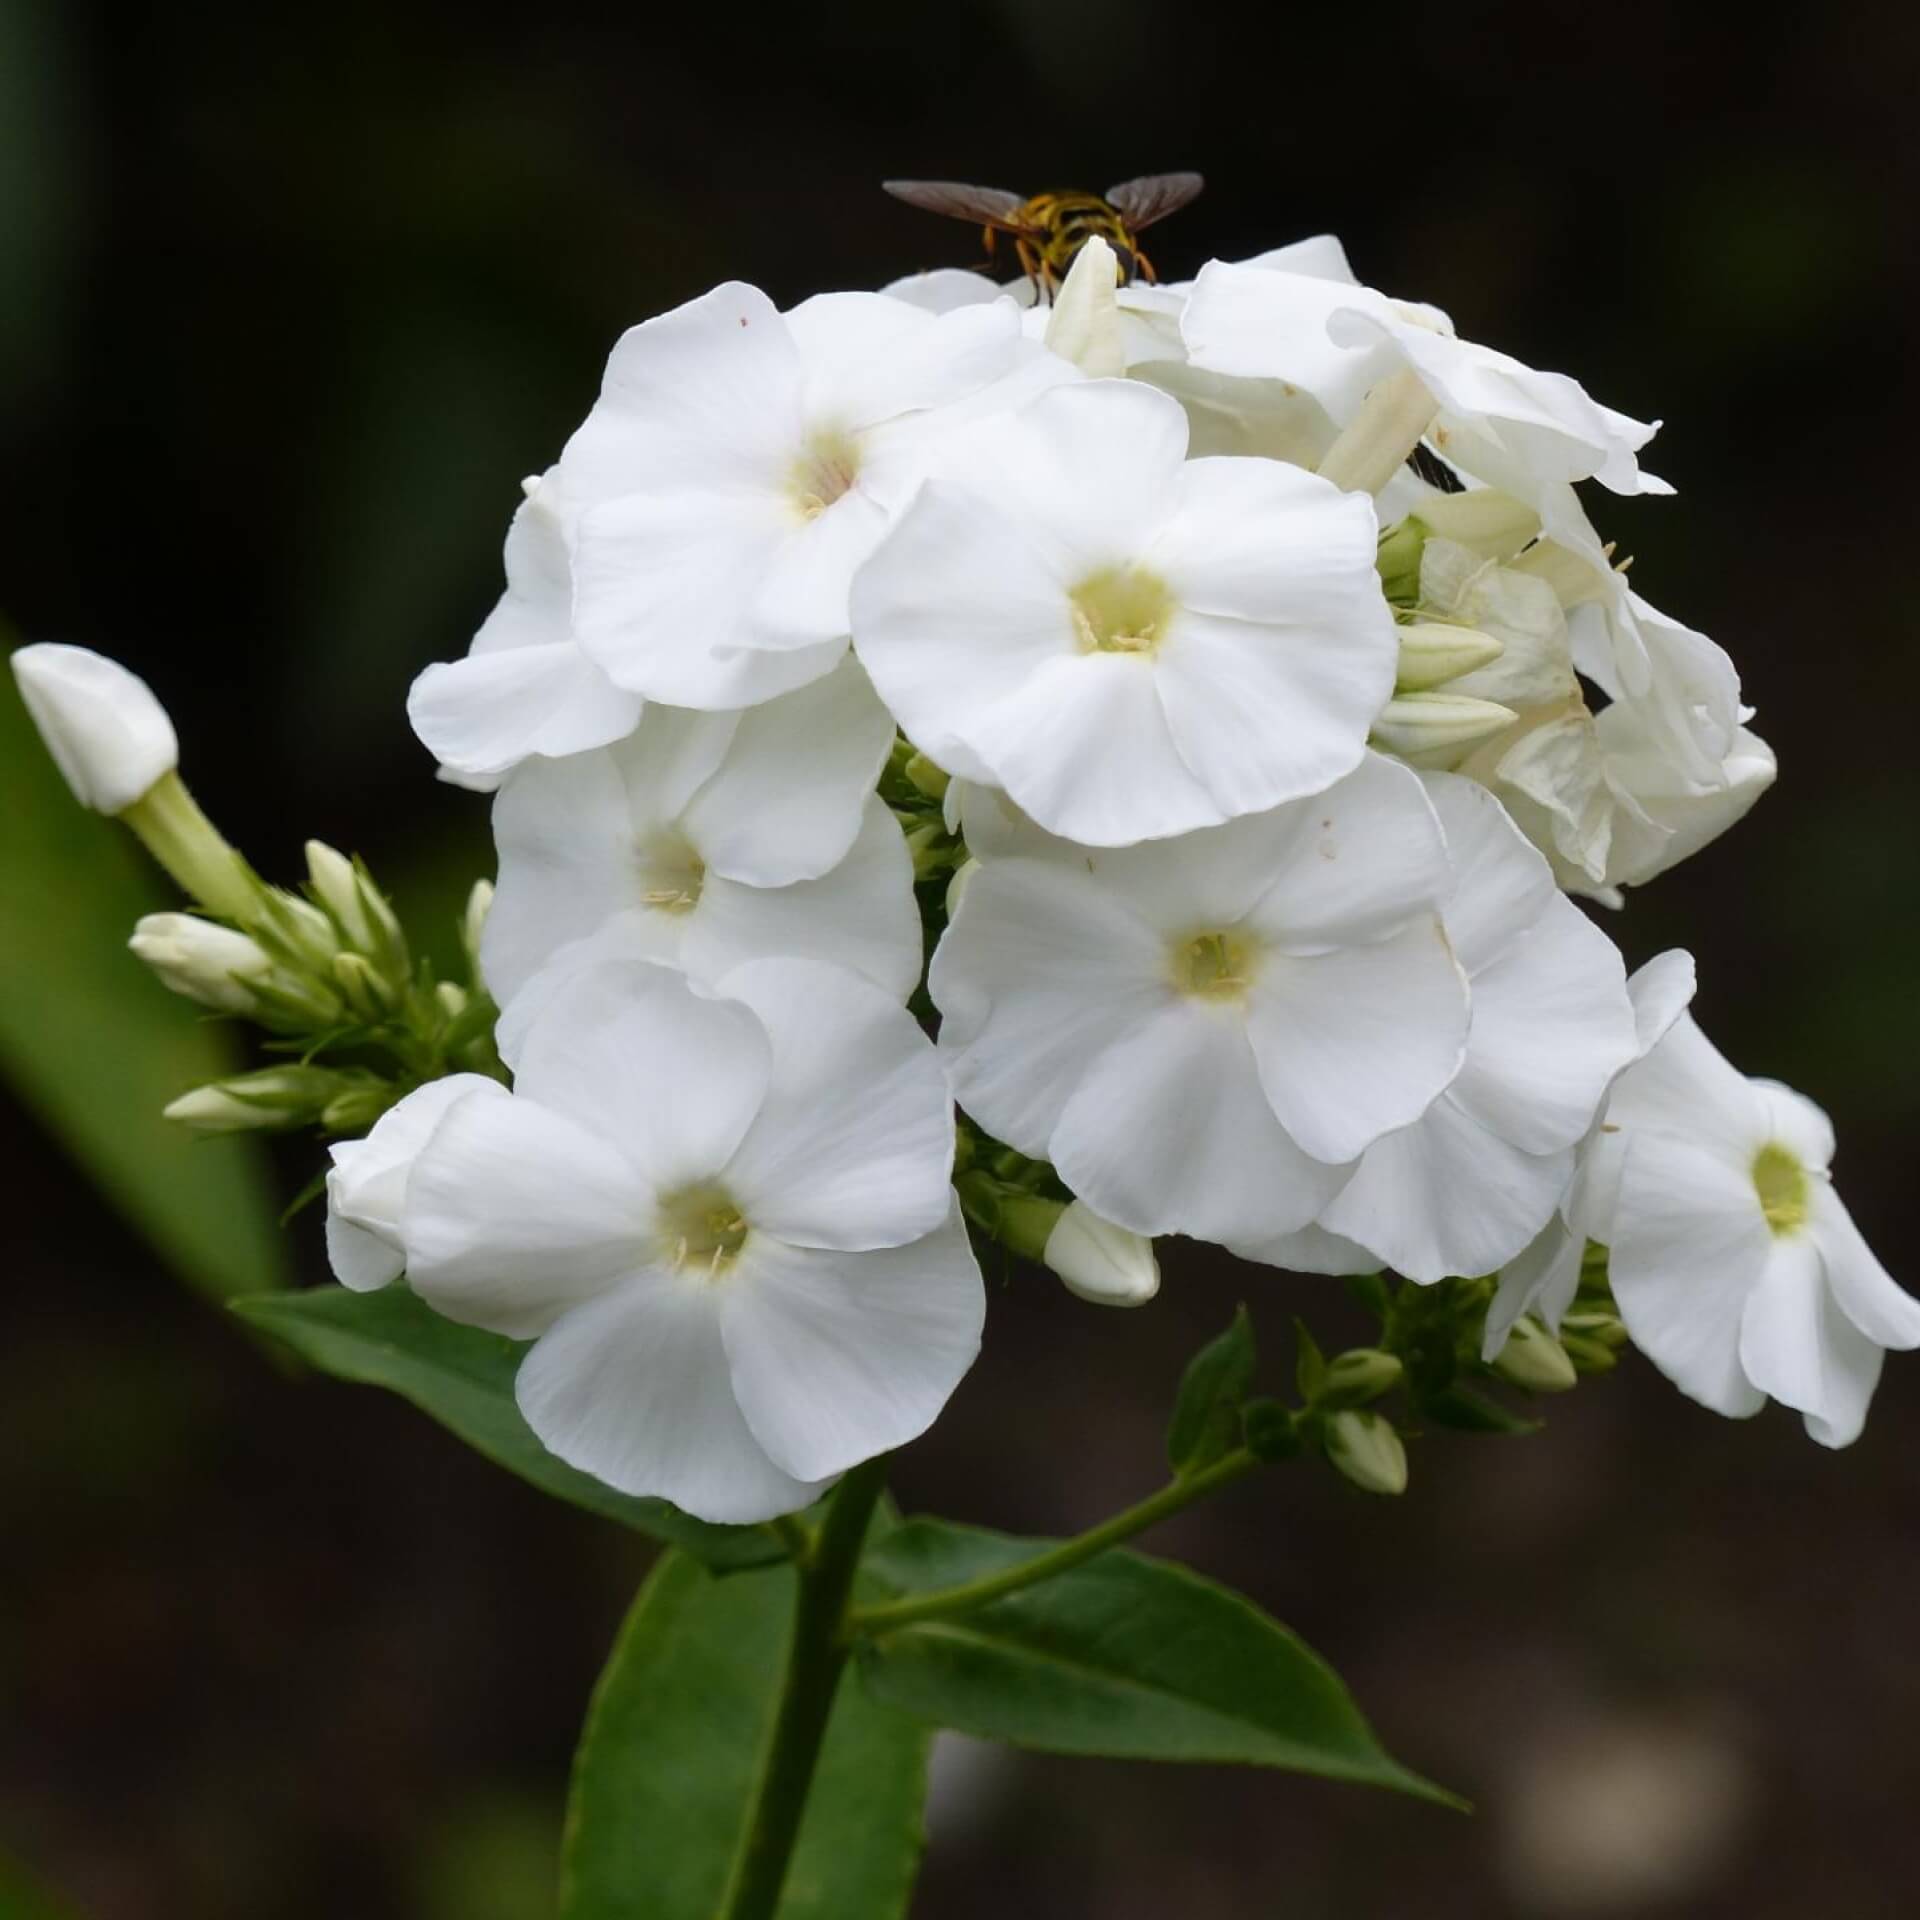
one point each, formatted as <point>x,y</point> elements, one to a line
<point>703,1229</point>
<point>1121,610</point>
<point>1781,1182</point>
<point>828,466</point>
<point>1214,965</point>
<point>671,874</point>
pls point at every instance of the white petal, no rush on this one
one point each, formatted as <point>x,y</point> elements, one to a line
<point>632,1052</point>
<point>481,716</point>
<point>1552,1026</point>
<point>790,796</point>
<point>1312,1250</point>
<point>367,1183</point>
<point>1542,1280</point>
<point>1796,1123</point>
<point>861,914</point>
<point>1689,1246</point>
<point>631,935</point>
<point>801,598</point>
<point>867,360</point>
<point>515,1213</point>
<point>839,1356</point>
<point>1040,972</point>
<point>1501,885</point>
<point>1867,1293</point>
<point>108,734</point>
<point>1363,859</point>
<point>1356,1043</point>
<point>1685,1086</point>
<point>706,395</point>
<point>1251,321</point>
<point>1798,1347</point>
<point>957,611</point>
<point>1661,992</point>
<point>853,1145</point>
<point>635,1389</point>
<point>360,1259</point>
<point>1264,714</point>
<point>1171,1133</point>
<point>941,289</point>
<point>568,846</point>
<point>1086,747</point>
<point>1447,1195</point>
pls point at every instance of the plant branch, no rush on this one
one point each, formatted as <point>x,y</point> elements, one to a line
<point>1069,1554</point>
<point>816,1656</point>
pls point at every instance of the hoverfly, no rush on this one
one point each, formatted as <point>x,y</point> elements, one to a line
<point>1050,228</point>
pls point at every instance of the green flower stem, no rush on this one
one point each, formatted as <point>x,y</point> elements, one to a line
<point>816,1656</point>
<point>1069,1554</point>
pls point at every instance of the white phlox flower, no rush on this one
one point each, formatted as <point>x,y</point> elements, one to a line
<point>367,1183</point>
<point>1132,644</point>
<point>1202,1033</point>
<point>726,1222</point>
<point>1544,1277</point>
<point>1736,1267</point>
<point>1469,1184</point>
<point>1508,424</point>
<point>739,465</point>
<point>707,839</point>
<point>525,687</point>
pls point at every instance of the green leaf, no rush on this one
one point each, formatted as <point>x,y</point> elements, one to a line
<point>464,1379</point>
<point>1206,1411</point>
<point>1122,1655</point>
<point>96,1046</point>
<point>672,1745</point>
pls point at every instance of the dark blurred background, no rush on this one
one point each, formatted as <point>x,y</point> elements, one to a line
<point>291,297</point>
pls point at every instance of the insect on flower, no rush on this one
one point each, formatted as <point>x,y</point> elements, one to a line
<point>1050,228</point>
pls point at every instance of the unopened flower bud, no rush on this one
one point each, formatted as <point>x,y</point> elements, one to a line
<point>1399,561</point>
<point>929,847</point>
<point>108,735</point>
<point>1597,1325</point>
<point>1363,1446</point>
<point>473,921</point>
<point>1416,723</point>
<point>1534,1360</point>
<point>204,962</point>
<point>1084,326</point>
<point>1589,1356</point>
<point>1432,652</point>
<point>453,997</point>
<point>361,986</point>
<point>927,777</point>
<point>1100,1262</point>
<point>356,1109</point>
<point>1359,1375</point>
<point>273,1097</point>
<point>355,903</point>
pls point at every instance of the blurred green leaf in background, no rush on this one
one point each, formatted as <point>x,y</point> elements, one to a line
<point>96,1047</point>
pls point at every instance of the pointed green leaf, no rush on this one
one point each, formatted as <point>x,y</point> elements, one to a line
<point>672,1745</point>
<point>96,1046</point>
<point>1309,1363</point>
<point>1122,1655</point>
<point>464,1379</point>
<point>1206,1411</point>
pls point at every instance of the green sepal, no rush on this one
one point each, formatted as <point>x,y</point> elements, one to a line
<point>1206,1410</point>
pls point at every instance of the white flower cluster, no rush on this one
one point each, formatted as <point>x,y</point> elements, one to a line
<point>1272,758</point>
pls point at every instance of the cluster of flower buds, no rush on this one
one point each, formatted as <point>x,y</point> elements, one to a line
<point>327,972</point>
<point>1170,724</point>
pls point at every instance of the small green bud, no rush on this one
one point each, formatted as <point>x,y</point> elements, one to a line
<point>1589,1356</point>
<point>360,984</point>
<point>1419,723</point>
<point>355,1110</point>
<point>1364,1447</point>
<point>1597,1325</point>
<point>275,1097</point>
<point>1359,1375</point>
<point>1432,652</point>
<point>931,847</point>
<point>1534,1360</point>
<point>1398,559</point>
<point>930,779</point>
<point>453,997</point>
